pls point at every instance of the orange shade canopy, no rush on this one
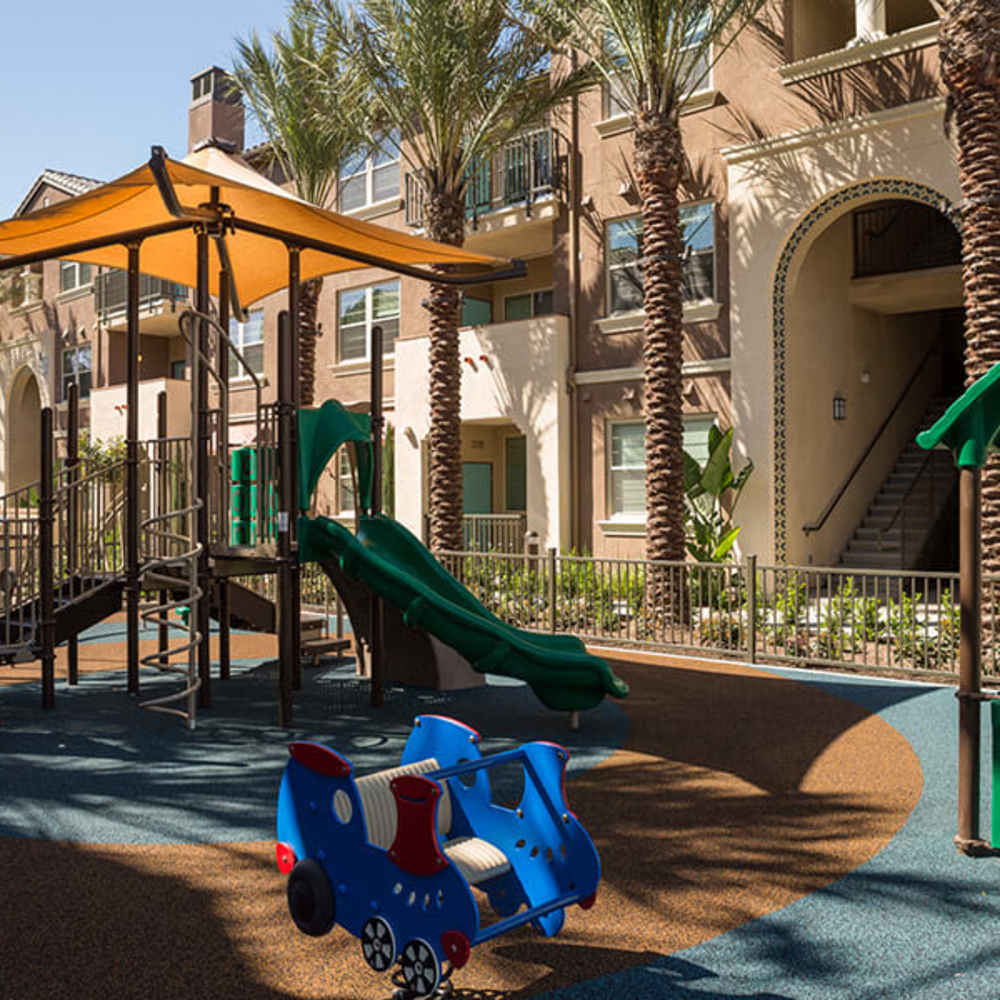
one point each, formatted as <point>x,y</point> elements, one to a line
<point>214,185</point>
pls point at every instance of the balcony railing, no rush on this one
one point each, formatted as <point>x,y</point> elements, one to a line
<point>903,236</point>
<point>524,170</point>
<point>111,292</point>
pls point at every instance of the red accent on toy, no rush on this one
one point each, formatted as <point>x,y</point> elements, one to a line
<point>586,904</point>
<point>456,947</point>
<point>286,858</point>
<point>448,718</point>
<point>415,848</point>
<point>320,759</point>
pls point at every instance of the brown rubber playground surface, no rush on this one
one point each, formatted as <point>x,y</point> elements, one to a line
<point>734,793</point>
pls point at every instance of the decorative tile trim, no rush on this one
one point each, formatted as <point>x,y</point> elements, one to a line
<point>876,188</point>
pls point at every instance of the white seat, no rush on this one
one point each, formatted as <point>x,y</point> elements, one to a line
<point>477,859</point>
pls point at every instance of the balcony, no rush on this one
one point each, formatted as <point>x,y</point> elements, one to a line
<point>519,185</point>
<point>907,258</point>
<point>158,302</point>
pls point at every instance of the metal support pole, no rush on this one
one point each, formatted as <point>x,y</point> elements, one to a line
<point>288,645</point>
<point>225,485</point>
<point>970,651</point>
<point>132,471</point>
<point>377,615</point>
<point>294,289</point>
<point>552,589</point>
<point>73,517</point>
<point>204,625</point>
<point>46,565</point>
<point>751,578</point>
<point>162,471</point>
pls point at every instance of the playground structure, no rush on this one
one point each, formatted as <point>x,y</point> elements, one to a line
<point>182,517</point>
<point>393,856</point>
<point>101,535</point>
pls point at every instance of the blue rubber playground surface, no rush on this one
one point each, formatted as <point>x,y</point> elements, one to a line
<point>918,920</point>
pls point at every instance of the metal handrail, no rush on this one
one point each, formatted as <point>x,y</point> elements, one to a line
<point>838,496</point>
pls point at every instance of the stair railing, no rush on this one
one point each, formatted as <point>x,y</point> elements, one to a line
<point>222,477</point>
<point>19,582</point>
<point>821,520</point>
<point>902,511</point>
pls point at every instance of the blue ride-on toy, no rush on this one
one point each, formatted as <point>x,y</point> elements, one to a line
<point>393,856</point>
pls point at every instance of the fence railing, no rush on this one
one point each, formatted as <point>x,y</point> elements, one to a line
<point>895,622</point>
<point>525,169</point>
<point>111,292</point>
<point>489,532</point>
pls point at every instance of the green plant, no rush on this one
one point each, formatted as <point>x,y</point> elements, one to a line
<point>916,638</point>
<point>848,619</point>
<point>709,525</point>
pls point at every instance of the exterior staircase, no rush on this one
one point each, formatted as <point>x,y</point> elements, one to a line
<point>899,521</point>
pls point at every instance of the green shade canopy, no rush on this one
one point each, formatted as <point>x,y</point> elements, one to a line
<point>970,424</point>
<point>321,432</point>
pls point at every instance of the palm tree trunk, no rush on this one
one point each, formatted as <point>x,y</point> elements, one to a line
<point>309,292</point>
<point>658,159</point>
<point>445,221</point>
<point>970,43</point>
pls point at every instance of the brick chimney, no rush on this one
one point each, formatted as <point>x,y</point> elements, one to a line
<point>215,114</point>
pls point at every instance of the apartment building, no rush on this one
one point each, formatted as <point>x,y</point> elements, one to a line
<point>822,303</point>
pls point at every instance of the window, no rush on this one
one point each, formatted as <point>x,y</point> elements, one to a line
<point>694,69</point>
<point>476,312</point>
<point>345,483</point>
<point>624,247</point>
<point>366,180</point>
<point>76,368</point>
<point>248,339</point>
<point>627,462</point>
<point>358,310</point>
<point>73,275</point>
<point>627,470</point>
<point>527,305</point>
<point>178,369</point>
<point>27,286</point>
<point>624,250</point>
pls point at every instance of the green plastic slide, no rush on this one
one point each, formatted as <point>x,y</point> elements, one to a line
<point>398,568</point>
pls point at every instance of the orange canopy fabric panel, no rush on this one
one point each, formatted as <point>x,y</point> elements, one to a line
<point>260,263</point>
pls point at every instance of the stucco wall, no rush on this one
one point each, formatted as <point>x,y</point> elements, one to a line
<point>788,193</point>
<point>522,382</point>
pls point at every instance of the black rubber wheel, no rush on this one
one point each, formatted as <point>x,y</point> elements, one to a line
<point>378,944</point>
<point>421,971</point>
<point>310,898</point>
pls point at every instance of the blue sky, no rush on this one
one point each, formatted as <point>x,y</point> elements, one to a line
<point>88,88</point>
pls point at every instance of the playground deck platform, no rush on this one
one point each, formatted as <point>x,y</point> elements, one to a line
<point>766,834</point>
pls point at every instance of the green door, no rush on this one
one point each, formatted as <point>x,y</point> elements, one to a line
<point>477,488</point>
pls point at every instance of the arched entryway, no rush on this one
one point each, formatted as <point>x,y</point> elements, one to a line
<point>24,408</point>
<point>868,334</point>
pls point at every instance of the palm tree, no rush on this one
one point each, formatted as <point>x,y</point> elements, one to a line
<point>970,44</point>
<point>653,54</point>
<point>456,79</point>
<point>311,131</point>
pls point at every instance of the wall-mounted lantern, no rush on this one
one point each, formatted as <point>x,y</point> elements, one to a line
<point>839,407</point>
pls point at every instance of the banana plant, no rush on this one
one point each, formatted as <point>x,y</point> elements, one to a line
<point>711,533</point>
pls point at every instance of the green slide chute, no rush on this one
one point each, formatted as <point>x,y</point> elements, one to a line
<point>398,568</point>
<point>321,432</point>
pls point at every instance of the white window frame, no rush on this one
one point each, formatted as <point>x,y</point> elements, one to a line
<point>388,347</point>
<point>344,470</point>
<point>74,376</point>
<point>74,265</point>
<point>608,267</point>
<point>367,171</point>
<point>613,516</point>
<point>239,341</point>
<point>531,293</point>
